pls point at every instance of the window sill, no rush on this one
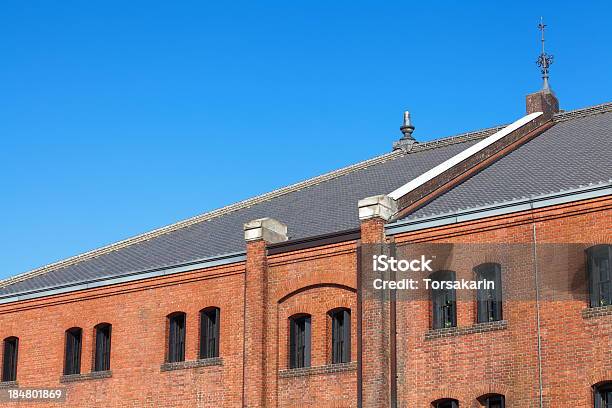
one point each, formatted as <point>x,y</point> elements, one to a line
<point>326,369</point>
<point>460,331</point>
<point>596,311</point>
<point>94,375</point>
<point>184,365</point>
<point>9,384</point>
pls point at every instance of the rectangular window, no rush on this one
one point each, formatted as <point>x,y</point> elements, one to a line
<point>447,404</point>
<point>299,342</point>
<point>9,361</point>
<point>72,364</point>
<point>489,300</point>
<point>103,347</point>
<point>341,336</point>
<point>495,402</point>
<point>599,264</point>
<point>444,305</point>
<point>176,338</point>
<point>209,333</point>
<point>603,396</point>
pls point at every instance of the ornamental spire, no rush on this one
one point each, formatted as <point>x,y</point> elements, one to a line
<point>544,60</point>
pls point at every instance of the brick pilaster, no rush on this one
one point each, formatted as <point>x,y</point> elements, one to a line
<point>258,234</point>
<point>254,319</point>
<point>375,353</point>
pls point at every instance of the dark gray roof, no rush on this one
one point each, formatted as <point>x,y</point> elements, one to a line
<point>571,154</point>
<point>327,207</point>
<point>575,151</point>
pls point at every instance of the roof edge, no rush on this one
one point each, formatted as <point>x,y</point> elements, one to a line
<point>219,260</point>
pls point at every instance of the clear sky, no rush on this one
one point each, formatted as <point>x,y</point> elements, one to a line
<point>117,117</point>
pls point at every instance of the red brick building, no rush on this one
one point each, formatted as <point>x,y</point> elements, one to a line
<point>269,302</point>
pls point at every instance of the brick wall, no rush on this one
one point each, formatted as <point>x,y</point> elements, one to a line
<point>313,281</point>
<point>463,363</point>
<point>138,314</point>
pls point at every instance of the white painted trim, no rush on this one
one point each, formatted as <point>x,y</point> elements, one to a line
<point>458,158</point>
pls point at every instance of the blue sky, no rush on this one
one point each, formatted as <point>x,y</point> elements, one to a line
<point>119,117</point>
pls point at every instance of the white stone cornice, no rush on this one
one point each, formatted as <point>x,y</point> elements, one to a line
<point>268,229</point>
<point>378,206</point>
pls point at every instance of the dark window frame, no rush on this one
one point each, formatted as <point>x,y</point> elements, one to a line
<point>599,274</point>
<point>102,347</point>
<point>10,358</point>
<point>602,395</point>
<point>300,340</point>
<point>73,349</point>
<point>210,326</point>
<point>177,335</point>
<point>340,335</point>
<point>445,403</point>
<point>489,302</point>
<point>493,401</point>
<point>443,302</point>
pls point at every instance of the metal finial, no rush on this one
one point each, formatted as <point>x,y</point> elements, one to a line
<point>545,60</point>
<point>407,128</point>
<point>407,141</point>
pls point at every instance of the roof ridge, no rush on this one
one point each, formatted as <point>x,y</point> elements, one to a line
<point>459,138</point>
<point>582,112</point>
<point>432,144</point>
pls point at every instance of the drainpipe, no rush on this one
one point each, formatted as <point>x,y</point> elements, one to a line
<point>393,334</point>
<point>359,330</point>
<point>537,283</point>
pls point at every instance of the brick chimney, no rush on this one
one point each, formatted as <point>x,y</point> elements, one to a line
<point>542,101</point>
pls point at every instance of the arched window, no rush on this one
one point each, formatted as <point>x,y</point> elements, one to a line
<point>176,337</point>
<point>489,295</point>
<point>103,347</point>
<point>603,395</point>
<point>209,332</point>
<point>599,267</point>
<point>493,401</point>
<point>72,356</point>
<point>443,300</point>
<point>445,403</point>
<point>9,361</point>
<point>341,335</point>
<point>299,341</point>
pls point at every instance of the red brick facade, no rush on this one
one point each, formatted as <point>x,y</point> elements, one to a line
<point>568,352</point>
